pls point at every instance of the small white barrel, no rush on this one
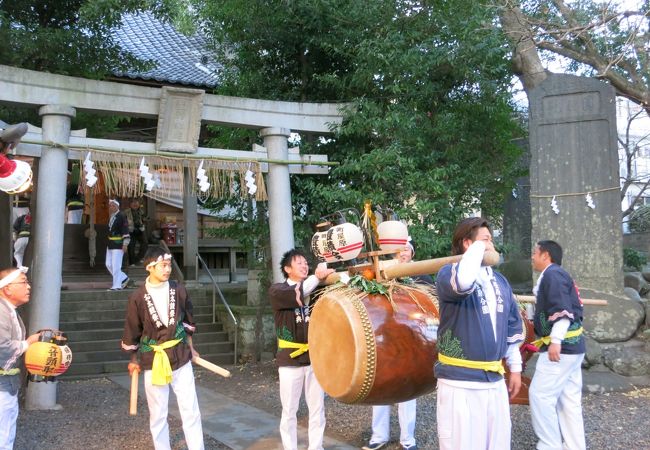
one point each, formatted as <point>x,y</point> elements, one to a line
<point>339,243</point>
<point>393,235</point>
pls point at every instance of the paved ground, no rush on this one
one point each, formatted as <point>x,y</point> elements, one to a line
<point>236,424</point>
<point>242,412</point>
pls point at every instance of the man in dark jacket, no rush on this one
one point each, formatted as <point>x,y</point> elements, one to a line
<point>556,390</point>
<point>118,241</point>
<point>291,307</point>
<point>22,231</point>
<point>158,335</point>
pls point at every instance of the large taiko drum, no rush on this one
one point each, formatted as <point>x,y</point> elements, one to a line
<point>525,348</point>
<point>372,349</point>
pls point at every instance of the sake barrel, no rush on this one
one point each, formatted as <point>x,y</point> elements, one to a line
<point>393,235</point>
<point>340,243</point>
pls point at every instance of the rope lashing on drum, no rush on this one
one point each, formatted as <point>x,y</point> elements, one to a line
<point>301,348</point>
<point>161,369</point>
<point>546,340</point>
<point>488,366</point>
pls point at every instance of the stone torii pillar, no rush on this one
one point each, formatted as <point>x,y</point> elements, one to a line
<point>48,239</point>
<point>279,193</point>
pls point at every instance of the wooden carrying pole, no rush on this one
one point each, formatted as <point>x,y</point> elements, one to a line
<point>426,267</point>
<point>133,404</point>
<point>430,266</point>
<point>585,301</point>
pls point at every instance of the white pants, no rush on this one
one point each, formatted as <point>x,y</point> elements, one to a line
<point>8,416</point>
<point>19,250</point>
<point>555,403</point>
<point>74,216</point>
<point>292,380</point>
<point>188,405</point>
<point>473,419</point>
<point>381,423</point>
<point>114,266</point>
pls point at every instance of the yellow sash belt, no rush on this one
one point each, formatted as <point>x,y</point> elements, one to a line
<point>14,371</point>
<point>115,238</point>
<point>302,348</point>
<point>489,366</point>
<point>546,340</point>
<point>161,369</point>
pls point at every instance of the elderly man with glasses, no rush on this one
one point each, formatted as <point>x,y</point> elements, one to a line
<point>14,291</point>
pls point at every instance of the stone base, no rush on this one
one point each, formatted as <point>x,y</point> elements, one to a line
<point>247,319</point>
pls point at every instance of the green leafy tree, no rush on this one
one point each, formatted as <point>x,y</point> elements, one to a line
<point>70,37</point>
<point>429,126</point>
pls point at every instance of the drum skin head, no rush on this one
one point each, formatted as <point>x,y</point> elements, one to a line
<point>336,327</point>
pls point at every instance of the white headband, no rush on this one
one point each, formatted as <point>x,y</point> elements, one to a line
<point>115,202</point>
<point>161,258</point>
<point>12,276</point>
<point>409,245</point>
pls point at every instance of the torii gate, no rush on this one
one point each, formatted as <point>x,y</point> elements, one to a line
<point>180,112</point>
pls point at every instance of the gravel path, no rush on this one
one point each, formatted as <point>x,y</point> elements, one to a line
<point>94,416</point>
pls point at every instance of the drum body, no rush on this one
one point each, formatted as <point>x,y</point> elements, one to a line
<point>372,349</point>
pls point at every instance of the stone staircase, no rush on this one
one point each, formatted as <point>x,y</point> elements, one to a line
<point>93,320</point>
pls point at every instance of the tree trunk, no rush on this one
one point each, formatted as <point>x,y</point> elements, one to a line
<point>526,62</point>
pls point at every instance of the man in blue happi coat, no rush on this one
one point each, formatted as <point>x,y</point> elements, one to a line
<point>556,389</point>
<point>480,325</point>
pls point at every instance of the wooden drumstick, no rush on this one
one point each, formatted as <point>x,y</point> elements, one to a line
<point>585,301</point>
<point>133,405</point>
<point>211,367</point>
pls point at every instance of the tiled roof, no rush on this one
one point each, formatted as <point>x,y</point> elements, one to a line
<point>180,59</point>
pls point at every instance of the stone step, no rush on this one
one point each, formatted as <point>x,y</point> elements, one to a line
<point>123,295</point>
<point>120,365</point>
<point>110,304</point>
<point>81,314</point>
<point>205,332</point>
<point>105,294</point>
<point>202,339</point>
<point>200,319</point>
<point>116,353</point>
<point>100,305</point>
